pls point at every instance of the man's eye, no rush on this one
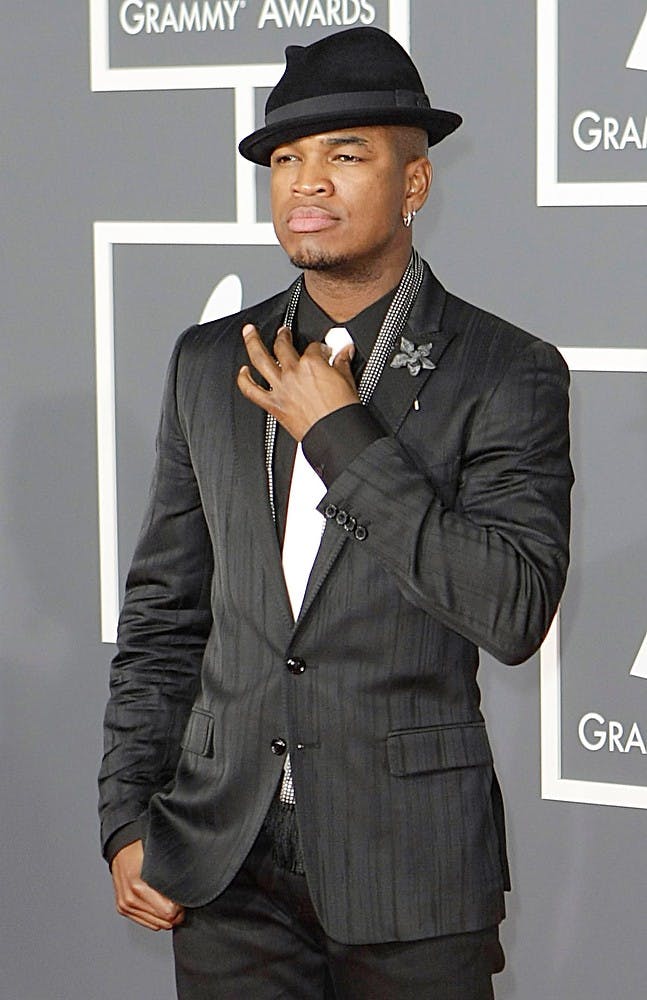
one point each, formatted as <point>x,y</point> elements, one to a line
<point>283,158</point>
<point>348,158</point>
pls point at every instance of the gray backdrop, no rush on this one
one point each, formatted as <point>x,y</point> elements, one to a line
<point>575,275</point>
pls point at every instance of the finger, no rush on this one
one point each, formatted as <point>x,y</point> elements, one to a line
<point>129,904</point>
<point>342,364</point>
<point>150,916</point>
<point>284,350</point>
<point>345,355</point>
<point>143,896</point>
<point>144,919</point>
<point>317,351</point>
<point>134,896</point>
<point>252,390</point>
<point>258,354</point>
<point>154,902</point>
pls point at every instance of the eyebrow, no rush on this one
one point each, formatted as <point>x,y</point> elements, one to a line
<point>346,140</point>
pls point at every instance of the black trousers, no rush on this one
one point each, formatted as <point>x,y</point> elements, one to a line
<point>261,940</point>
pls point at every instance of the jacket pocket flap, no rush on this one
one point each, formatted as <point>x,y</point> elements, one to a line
<point>198,735</point>
<point>438,748</point>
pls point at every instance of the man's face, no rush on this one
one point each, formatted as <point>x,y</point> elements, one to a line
<point>337,199</point>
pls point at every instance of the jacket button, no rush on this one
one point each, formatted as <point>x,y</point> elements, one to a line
<point>330,511</point>
<point>278,747</point>
<point>360,533</point>
<point>342,517</point>
<point>350,524</point>
<point>295,665</point>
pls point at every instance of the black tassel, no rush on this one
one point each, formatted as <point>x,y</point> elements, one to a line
<point>282,828</point>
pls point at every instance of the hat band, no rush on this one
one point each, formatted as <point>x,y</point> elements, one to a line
<point>364,100</point>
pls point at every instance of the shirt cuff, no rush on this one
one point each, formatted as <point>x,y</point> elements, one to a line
<point>125,835</point>
<point>334,441</point>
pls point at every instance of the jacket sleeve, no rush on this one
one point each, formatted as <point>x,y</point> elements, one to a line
<point>163,628</point>
<point>493,566</point>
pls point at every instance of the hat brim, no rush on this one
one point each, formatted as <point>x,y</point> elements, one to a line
<point>259,146</point>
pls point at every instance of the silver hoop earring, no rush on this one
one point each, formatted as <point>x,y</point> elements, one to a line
<point>408,218</point>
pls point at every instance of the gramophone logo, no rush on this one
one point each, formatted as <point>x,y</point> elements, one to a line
<point>638,55</point>
<point>592,104</point>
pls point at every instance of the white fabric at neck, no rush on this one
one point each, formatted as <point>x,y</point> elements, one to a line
<point>304,524</point>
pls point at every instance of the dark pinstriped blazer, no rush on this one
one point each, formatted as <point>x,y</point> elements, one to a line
<point>465,503</point>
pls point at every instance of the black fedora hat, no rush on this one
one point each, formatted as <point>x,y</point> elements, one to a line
<point>360,76</point>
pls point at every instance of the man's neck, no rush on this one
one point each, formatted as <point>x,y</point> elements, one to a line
<point>343,296</point>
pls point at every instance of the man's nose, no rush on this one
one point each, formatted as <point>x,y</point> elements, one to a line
<point>311,179</point>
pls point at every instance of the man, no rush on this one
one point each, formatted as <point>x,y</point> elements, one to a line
<point>344,678</point>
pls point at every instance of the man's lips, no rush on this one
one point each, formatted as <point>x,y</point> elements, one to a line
<point>309,220</point>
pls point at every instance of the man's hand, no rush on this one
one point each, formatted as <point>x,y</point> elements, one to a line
<point>137,900</point>
<point>302,389</point>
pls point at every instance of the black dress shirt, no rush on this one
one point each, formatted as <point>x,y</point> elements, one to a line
<point>334,441</point>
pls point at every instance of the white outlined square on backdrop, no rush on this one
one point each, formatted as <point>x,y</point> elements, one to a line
<point>550,190</point>
<point>242,78</point>
<point>106,77</point>
<point>554,785</point>
<point>106,236</point>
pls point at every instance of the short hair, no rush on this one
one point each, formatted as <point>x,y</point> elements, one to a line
<point>410,142</point>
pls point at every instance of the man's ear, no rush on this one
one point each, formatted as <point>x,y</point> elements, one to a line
<point>418,177</point>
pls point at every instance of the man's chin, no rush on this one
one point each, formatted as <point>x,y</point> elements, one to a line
<point>318,261</point>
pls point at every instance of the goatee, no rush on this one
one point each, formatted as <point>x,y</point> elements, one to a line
<point>339,266</point>
<point>319,261</point>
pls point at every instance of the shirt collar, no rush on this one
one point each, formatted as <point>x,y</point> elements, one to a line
<point>313,323</point>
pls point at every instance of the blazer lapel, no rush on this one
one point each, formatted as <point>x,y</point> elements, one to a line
<point>332,542</point>
<point>397,389</point>
<point>249,439</point>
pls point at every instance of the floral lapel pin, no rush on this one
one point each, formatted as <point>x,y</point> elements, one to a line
<point>412,357</point>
